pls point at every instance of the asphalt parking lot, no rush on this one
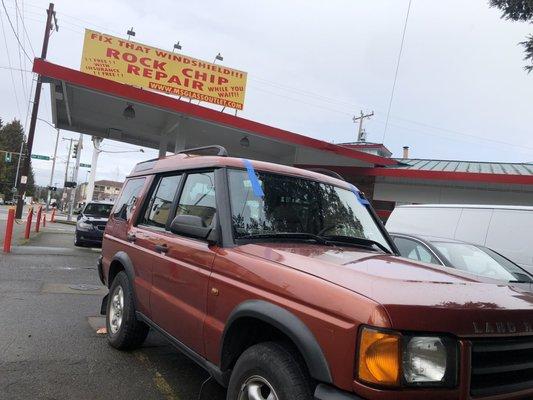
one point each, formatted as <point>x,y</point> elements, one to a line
<point>50,299</point>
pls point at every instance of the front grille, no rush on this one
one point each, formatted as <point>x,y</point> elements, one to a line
<point>501,366</point>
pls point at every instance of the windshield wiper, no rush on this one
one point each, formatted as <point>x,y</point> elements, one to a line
<point>288,235</point>
<point>361,242</point>
<point>519,281</point>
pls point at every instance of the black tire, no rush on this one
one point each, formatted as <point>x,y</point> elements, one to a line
<point>131,333</point>
<point>276,363</point>
<point>77,241</point>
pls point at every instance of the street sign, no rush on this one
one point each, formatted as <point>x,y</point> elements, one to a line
<point>85,165</point>
<point>70,184</point>
<point>23,179</point>
<point>40,157</point>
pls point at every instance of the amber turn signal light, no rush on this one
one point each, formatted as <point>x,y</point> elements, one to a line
<point>379,357</point>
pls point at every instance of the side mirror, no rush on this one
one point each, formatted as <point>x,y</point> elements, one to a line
<point>78,217</point>
<point>192,226</point>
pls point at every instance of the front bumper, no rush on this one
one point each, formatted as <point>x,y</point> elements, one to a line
<point>327,392</point>
<point>93,235</point>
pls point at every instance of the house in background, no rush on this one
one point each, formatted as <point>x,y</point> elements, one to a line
<point>106,190</point>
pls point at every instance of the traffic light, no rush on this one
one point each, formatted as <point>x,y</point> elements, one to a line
<point>75,150</point>
<point>9,157</point>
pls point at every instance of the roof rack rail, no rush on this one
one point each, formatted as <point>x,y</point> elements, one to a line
<point>327,172</point>
<point>221,151</point>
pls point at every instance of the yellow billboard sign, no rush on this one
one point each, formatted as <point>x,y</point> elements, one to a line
<point>151,68</point>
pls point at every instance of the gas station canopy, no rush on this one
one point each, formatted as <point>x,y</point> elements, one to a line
<point>99,107</point>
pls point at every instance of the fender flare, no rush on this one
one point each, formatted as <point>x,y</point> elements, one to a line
<point>123,258</point>
<point>290,325</point>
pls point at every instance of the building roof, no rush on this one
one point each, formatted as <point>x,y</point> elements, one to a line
<point>382,150</point>
<point>445,170</point>
<point>465,166</point>
<point>106,182</point>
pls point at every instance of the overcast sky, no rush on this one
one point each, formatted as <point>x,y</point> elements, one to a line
<point>461,92</point>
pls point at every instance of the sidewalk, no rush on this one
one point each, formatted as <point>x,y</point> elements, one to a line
<point>50,297</point>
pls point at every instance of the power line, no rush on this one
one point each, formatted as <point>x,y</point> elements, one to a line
<point>15,69</point>
<point>10,66</point>
<point>14,32</point>
<point>24,27</point>
<point>396,72</point>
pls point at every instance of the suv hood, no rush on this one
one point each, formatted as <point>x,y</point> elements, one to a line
<point>417,296</point>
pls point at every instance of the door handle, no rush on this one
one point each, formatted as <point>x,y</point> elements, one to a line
<point>131,237</point>
<point>161,248</point>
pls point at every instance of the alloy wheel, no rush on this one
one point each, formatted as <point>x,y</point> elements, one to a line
<point>257,388</point>
<point>116,310</point>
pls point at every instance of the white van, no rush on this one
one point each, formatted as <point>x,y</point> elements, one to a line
<point>505,229</point>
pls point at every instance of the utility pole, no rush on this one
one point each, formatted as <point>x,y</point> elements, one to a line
<point>22,183</point>
<point>360,119</point>
<point>52,173</point>
<point>75,177</point>
<point>94,162</point>
<point>66,171</point>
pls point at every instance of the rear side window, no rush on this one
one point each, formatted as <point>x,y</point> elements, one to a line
<point>126,201</point>
<point>198,197</point>
<point>160,204</point>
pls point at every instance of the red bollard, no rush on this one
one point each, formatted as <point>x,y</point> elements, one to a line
<point>9,230</point>
<point>53,216</point>
<point>38,220</point>
<point>28,224</point>
<point>44,220</point>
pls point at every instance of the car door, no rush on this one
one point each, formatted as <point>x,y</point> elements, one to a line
<point>181,265</point>
<point>119,234</point>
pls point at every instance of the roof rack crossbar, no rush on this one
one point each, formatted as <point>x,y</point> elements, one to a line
<point>327,172</point>
<point>221,151</point>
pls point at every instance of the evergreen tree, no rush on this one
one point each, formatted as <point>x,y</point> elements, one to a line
<point>11,135</point>
<point>519,10</point>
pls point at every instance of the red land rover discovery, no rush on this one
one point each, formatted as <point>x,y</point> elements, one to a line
<point>284,285</point>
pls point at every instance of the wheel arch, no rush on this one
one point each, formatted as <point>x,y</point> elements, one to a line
<point>281,320</point>
<point>120,262</point>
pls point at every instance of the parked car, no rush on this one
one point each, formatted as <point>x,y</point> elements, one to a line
<point>506,229</point>
<point>468,257</point>
<point>1,201</point>
<point>91,223</point>
<point>284,285</point>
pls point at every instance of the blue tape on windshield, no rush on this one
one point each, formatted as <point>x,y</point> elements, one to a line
<point>359,196</point>
<point>256,186</point>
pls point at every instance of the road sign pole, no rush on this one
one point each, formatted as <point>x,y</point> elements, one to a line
<point>75,177</point>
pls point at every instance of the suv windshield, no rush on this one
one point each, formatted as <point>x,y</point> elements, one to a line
<point>296,208</point>
<point>98,210</point>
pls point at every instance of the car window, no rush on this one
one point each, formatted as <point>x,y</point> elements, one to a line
<point>472,259</point>
<point>98,210</point>
<point>160,203</point>
<point>414,250</point>
<point>126,201</point>
<point>198,197</point>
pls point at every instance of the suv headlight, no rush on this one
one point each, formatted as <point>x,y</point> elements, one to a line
<point>395,359</point>
<point>84,225</point>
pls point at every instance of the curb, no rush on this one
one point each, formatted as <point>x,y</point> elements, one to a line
<point>57,221</point>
